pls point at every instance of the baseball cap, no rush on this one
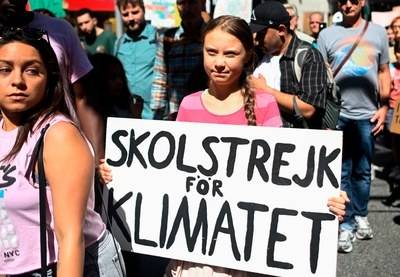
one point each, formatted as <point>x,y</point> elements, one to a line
<point>270,13</point>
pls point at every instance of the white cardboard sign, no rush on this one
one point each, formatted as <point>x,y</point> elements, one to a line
<point>247,198</point>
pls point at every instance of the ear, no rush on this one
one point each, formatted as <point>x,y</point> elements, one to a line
<point>282,29</point>
<point>95,21</point>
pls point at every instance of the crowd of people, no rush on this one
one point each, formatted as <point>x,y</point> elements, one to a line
<point>58,85</point>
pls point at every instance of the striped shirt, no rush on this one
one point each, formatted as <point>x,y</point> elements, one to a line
<point>178,71</point>
<point>313,84</point>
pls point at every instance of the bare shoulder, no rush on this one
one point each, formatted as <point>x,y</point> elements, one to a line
<point>64,135</point>
<point>62,130</point>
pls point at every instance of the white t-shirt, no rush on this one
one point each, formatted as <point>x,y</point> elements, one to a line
<point>269,68</point>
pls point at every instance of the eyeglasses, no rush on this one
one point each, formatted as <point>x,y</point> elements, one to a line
<point>29,34</point>
<point>354,2</point>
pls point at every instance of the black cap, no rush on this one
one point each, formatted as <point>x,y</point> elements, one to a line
<point>269,13</point>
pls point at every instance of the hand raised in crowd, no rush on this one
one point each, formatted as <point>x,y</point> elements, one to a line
<point>379,120</point>
<point>337,204</point>
<point>104,172</point>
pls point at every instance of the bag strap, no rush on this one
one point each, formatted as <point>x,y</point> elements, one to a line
<point>352,49</point>
<point>37,156</point>
<point>297,66</point>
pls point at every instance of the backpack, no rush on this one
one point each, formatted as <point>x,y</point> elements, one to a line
<point>331,113</point>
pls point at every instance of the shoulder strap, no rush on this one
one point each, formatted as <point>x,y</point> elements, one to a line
<point>37,156</point>
<point>299,60</point>
<point>352,49</point>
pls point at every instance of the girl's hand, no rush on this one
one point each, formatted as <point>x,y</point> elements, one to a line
<point>337,204</point>
<point>104,172</point>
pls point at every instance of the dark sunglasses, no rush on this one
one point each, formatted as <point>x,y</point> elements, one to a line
<point>30,34</point>
<point>354,2</point>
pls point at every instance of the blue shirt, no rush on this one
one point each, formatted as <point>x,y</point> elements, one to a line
<point>137,55</point>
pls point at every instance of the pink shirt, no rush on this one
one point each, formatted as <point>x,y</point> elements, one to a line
<point>266,109</point>
<point>19,209</point>
<point>192,109</point>
<point>395,89</point>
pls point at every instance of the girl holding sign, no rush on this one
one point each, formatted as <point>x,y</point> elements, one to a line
<point>75,241</point>
<point>228,59</point>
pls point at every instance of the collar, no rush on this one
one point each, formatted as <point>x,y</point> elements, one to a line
<point>293,45</point>
<point>146,33</point>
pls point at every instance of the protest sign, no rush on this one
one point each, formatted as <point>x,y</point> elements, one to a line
<point>243,197</point>
<point>240,9</point>
<point>162,13</point>
<point>395,124</point>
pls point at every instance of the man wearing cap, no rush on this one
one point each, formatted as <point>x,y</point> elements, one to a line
<point>364,82</point>
<point>300,100</point>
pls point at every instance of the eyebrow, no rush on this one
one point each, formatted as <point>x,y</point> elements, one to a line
<point>27,62</point>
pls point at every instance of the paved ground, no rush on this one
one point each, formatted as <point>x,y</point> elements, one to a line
<point>379,257</point>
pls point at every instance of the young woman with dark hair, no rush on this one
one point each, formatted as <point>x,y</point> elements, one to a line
<point>31,101</point>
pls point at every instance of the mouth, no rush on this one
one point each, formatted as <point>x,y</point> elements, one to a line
<point>17,96</point>
<point>220,74</point>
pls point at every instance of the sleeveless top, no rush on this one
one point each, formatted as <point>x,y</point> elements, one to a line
<point>19,208</point>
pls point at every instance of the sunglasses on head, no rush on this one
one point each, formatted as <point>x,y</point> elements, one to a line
<point>354,2</point>
<point>30,34</point>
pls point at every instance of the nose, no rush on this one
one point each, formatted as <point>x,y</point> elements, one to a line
<point>131,17</point>
<point>219,62</point>
<point>18,80</point>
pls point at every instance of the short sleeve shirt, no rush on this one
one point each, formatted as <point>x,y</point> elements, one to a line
<point>358,79</point>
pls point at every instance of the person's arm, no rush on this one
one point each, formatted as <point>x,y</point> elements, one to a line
<point>77,68</point>
<point>159,87</point>
<point>91,122</point>
<point>284,100</point>
<point>69,172</point>
<point>384,91</point>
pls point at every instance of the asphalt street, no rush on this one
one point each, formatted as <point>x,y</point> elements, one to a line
<point>379,257</point>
